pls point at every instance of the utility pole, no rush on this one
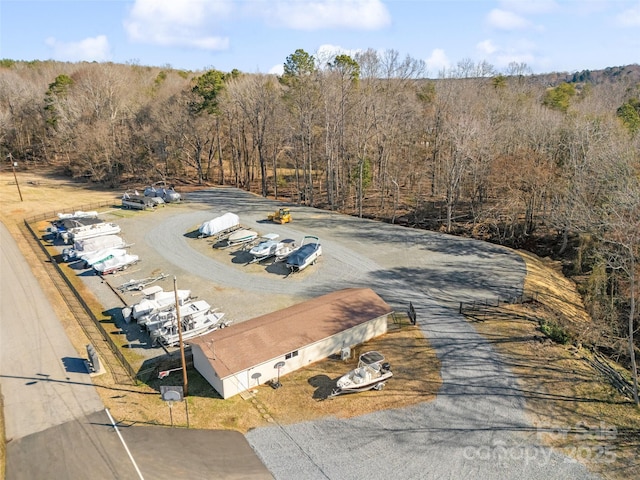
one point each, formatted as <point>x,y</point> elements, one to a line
<point>184,363</point>
<point>13,167</point>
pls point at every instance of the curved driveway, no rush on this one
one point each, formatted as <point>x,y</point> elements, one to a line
<point>476,428</point>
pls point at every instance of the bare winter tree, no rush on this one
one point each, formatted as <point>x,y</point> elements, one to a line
<point>619,232</point>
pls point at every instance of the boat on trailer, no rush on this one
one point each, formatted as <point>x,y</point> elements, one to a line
<point>154,300</point>
<point>135,201</point>
<point>267,247</point>
<point>101,256</point>
<point>162,191</point>
<point>60,226</point>
<point>116,264</point>
<point>305,255</point>
<point>371,374</point>
<point>287,247</point>
<point>196,318</point>
<point>90,231</point>
<point>91,245</point>
<point>220,227</point>
<point>241,237</point>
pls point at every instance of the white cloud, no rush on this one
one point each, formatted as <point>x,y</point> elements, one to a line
<point>277,69</point>
<point>486,46</point>
<point>90,49</point>
<point>177,23</point>
<point>437,61</point>
<point>522,51</point>
<point>323,14</point>
<point>504,20</point>
<point>630,17</point>
<point>327,53</point>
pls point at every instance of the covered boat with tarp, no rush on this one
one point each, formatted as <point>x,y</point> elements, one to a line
<point>220,226</point>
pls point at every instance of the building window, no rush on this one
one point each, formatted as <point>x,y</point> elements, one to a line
<point>291,355</point>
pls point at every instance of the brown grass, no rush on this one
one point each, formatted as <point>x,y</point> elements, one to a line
<point>302,395</point>
<point>589,420</point>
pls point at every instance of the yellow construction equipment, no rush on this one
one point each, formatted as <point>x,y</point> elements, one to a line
<point>282,215</point>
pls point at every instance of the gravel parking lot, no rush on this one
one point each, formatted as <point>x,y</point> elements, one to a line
<point>477,427</point>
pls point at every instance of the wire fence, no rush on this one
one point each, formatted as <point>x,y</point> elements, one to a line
<point>49,215</point>
<point>130,372</point>
<point>481,308</point>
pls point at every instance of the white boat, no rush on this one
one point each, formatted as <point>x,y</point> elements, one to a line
<point>286,248</point>
<point>196,319</point>
<point>191,328</point>
<point>167,316</point>
<point>59,227</point>
<point>371,373</point>
<point>267,247</point>
<point>154,300</point>
<point>101,256</point>
<point>90,231</point>
<point>162,191</point>
<point>78,214</point>
<point>219,226</point>
<point>92,245</point>
<point>115,264</point>
<point>307,254</point>
<point>135,201</point>
<point>241,237</point>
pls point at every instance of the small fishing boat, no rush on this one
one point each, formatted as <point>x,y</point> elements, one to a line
<point>371,373</point>
<point>287,247</point>
<point>266,247</point>
<point>133,200</point>
<point>196,318</point>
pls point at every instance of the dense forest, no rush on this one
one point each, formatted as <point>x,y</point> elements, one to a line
<point>550,163</point>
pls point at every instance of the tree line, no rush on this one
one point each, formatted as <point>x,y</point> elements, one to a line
<point>501,155</point>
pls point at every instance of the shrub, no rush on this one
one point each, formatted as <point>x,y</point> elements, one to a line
<point>554,332</point>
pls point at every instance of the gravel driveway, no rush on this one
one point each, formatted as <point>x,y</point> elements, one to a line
<point>476,428</point>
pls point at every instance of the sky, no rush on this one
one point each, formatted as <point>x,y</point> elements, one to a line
<point>257,36</point>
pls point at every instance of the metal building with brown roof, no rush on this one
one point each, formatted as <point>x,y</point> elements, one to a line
<point>244,355</point>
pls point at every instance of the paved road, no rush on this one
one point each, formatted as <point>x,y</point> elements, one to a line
<point>44,381</point>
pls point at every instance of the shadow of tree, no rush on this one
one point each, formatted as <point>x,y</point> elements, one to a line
<point>323,385</point>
